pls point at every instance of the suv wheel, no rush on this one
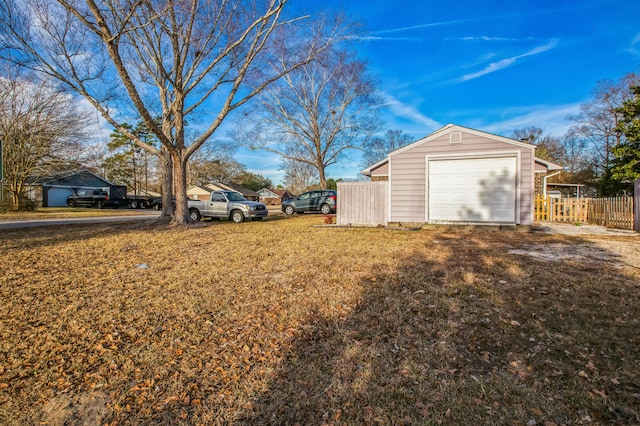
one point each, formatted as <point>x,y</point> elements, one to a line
<point>289,210</point>
<point>325,209</point>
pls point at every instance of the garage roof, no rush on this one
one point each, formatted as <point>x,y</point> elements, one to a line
<point>454,127</point>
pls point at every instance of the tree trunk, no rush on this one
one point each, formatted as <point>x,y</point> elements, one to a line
<point>15,201</point>
<point>181,216</point>
<point>323,179</point>
<point>167,182</point>
<point>17,190</point>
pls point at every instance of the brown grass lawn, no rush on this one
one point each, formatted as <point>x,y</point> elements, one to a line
<point>67,212</point>
<point>288,322</point>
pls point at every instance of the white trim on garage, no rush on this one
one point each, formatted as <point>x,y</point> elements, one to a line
<point>453,127</point>
<point>388,189</point>
<point>449,160</point>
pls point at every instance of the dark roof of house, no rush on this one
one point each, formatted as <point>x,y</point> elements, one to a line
<point>238,188</point>
<point>281,192</point>
<point>79,178</point>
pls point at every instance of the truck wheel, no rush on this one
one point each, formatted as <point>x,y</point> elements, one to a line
<point>99,204</point>
<point>237,216</point>
<point>72,203</point>
<point>289,210</point>
<point>194,214</point>
<point>134,204</point>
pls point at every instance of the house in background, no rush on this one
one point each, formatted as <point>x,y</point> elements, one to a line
<point>53,192</point>
<point>197,192</point>
<point>274,196</point>
<point>249,194</point>
<point>203,193</point>
<point>455,175</point>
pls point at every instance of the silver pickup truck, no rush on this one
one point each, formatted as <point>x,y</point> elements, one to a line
<point>227,204</point>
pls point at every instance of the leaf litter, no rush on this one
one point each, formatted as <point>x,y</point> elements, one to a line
<point>287,322</point>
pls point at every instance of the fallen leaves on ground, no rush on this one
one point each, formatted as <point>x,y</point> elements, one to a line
<point>290,322</point>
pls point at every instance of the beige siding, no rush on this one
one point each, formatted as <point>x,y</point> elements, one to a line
<point>383,170</point>
<point>408,174</point>
<point>197,193</point>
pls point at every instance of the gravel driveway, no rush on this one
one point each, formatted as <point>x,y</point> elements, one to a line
<point>617,247</point>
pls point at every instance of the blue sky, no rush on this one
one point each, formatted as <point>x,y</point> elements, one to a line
<point>493,66</point>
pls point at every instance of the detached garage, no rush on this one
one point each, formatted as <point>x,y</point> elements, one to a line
<point>458,175</point>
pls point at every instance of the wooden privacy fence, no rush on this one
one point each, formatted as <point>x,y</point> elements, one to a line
<point>362,203</point>
<point>636,205</point>
<point>560,209</point>
<point>610,212</point>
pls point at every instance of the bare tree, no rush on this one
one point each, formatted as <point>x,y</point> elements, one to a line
<point>598,119</point>
<point>213,163</point>
<point>41,129</point>
<point>323,110</point>
<point>298,176</point>
<point>548,147</point>
<point>568,150</point>
<point>576,159</point>
<point>142,59</point>
<point>379,147</point>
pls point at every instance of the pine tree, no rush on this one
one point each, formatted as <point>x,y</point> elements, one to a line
<point>626,165</point>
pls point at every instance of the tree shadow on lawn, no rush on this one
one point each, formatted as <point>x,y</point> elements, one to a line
<point>482,336</point>
<point>52,235</point>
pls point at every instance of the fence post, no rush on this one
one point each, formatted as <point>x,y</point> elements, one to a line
<point>636,206</point>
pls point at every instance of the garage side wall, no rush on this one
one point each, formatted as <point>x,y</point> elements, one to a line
<point>362,203</point>
<point>408,180</point>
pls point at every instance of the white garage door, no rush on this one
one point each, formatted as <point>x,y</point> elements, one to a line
<point>472,190</point>
<point>57,197</point>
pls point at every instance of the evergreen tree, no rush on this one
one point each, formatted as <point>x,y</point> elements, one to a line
<point>626,165</point>
<point>254,181</point>
<point>128,164</point>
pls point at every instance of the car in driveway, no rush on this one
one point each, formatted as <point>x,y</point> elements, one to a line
<point>88,198</point>
<point>321,200</point>
<point>156,202</point>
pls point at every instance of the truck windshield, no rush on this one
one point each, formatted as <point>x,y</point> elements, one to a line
<point>235,196</point>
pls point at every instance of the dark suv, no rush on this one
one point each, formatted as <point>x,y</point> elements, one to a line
<point>322,200</point>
